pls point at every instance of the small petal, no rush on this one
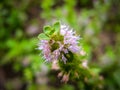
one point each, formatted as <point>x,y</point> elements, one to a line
<point>85,64</point>
<point>55,65</point>
<point>65,78</point>
<point>74,49</point>
<point>64,59</point>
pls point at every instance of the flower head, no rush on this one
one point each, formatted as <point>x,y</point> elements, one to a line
<point>59,44</point>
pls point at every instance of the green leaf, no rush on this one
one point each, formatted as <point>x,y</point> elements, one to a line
<point>57,26</point>
<point>43,36</point>
<point>48,30</point>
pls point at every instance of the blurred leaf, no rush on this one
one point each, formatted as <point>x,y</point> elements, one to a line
<point>48,30</point>
<point>42,36</point>
<point>67,87</point>
<point>117,77</point>
<point>57,26</point>
<point>28,74</point>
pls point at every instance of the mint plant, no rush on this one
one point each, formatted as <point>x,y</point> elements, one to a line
<point>61,46</point>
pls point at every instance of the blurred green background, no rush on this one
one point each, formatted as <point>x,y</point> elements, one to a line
<point>98,23</point>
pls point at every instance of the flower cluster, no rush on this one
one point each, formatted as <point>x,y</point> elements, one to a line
<point>59,44</point>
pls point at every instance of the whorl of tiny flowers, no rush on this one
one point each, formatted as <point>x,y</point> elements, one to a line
<point>59,44</point>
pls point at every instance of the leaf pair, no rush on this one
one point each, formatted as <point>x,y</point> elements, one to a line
<point>49,30</point>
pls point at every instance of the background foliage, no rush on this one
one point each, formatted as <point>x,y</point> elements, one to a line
<point>98,23</point>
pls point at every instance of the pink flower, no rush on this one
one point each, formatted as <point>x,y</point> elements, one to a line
<point>70,39</point>
<point>45,47</point>
<point>69,44</point>
<point>64,59</point>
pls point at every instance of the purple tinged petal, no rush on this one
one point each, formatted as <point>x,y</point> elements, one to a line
<point>56,54</point>
<point>64,59</point>
<point>74,49</point>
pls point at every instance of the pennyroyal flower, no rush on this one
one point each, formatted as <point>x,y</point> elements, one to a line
<point>60,44</point>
